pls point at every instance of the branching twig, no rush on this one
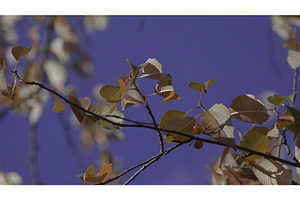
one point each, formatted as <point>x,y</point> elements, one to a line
<point>287,147</point>
<point>152,117</point>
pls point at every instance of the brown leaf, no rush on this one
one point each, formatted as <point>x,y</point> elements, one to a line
<point>164,88</point>
<point>19,51</point>
<point>78,113</point>
<point>249,109</point>
<point>285,121</point>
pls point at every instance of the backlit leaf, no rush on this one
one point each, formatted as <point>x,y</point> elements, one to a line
<point>78,112</point>
<point>169,116</point>
<point>20,51</point>
<point>270,172</point>
<point>58,106</point>
<point>105,172</point>
<point>255,139</point>
<point>218,163</point>
<point>249,109</point>
<point>56,73</point>
<point>104,110</point>
<point>202,87</point>
<point>183,125</point>
<point>217,123</point>
<point>279,100</point>
<point>111,93</point>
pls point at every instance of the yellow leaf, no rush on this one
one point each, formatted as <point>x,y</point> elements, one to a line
<point>58,106</point>
<point>105,172</point>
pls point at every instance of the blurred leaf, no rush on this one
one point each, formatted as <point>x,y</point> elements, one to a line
<point>169,116</point>
<point>104,110</point>
<point>293,59</point>
<point>249,109</point>
<point>295,113</point>
<point>218,163</point>
<point>3,84</point>
<point>14,95</point>
<point>85,102</point>
<point>105,172</point>
<point>255,139</point>
<point>279,100</point>
<point>183,125</point>
<point>297,154</point>
<point>78,113</point>
<point>202,87</point>
<point>134,72</point>
<point>273,132</point>
<point>293,44</point>
<point>153,69</point>
<point>56,73</point>
<point>58,106</point>
<point>270,172</point>
<point>285,121</point>
<point>89,177</point>
<point>217,122</point>
<point>19,51</point>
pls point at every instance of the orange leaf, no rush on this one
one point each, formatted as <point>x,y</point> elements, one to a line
<point>58,106</point>
<point>105,172</point>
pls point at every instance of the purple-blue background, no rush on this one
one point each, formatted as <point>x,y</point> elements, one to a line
<point>242,53</point>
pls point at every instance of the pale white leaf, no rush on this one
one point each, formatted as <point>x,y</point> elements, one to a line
<point>293,59</point>
<point>56,73</point>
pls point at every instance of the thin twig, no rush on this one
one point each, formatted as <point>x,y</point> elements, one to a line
<point>142,163</point>
<point>152,117</point>
<point>154,160</point>
<point>154,128</point>
<point>287,146</point>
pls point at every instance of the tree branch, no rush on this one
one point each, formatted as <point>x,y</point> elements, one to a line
<point>295,84</point>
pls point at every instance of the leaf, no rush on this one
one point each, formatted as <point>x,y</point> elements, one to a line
<point>14,95</point>
<point>152,69</point>
<point>295,113</point>
<point>279,100</point>
<point>105,172</point>
<point>218,163</point>
<point>20,51</point>
<point>293,59</point>
<point>111,93</point>
<point>89,177</point>
<point>134,72</point>
<point>56,73</point>
<point>165,89</point>
<point>85,102</point>
<point>202,87</point>
<point>297,154</point>
<point>285,121</point>
<point>58,106</point>
<point>270,172</point>
<point>104,110</point>
<point>78,112</point>
<point>168,138</point>
<point>293,44</point>
<point>249,109</point>
<point>255,139</point>
<point>169,116</point>
<point>217,122</point>
<point>183,125</point>
<point>273,132</point>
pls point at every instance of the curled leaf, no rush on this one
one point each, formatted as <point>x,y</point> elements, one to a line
<point>165,89</point>
<point>153,69</point>
<point>285,121</point>
<point>218,163</point>
<point>249,109</point>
